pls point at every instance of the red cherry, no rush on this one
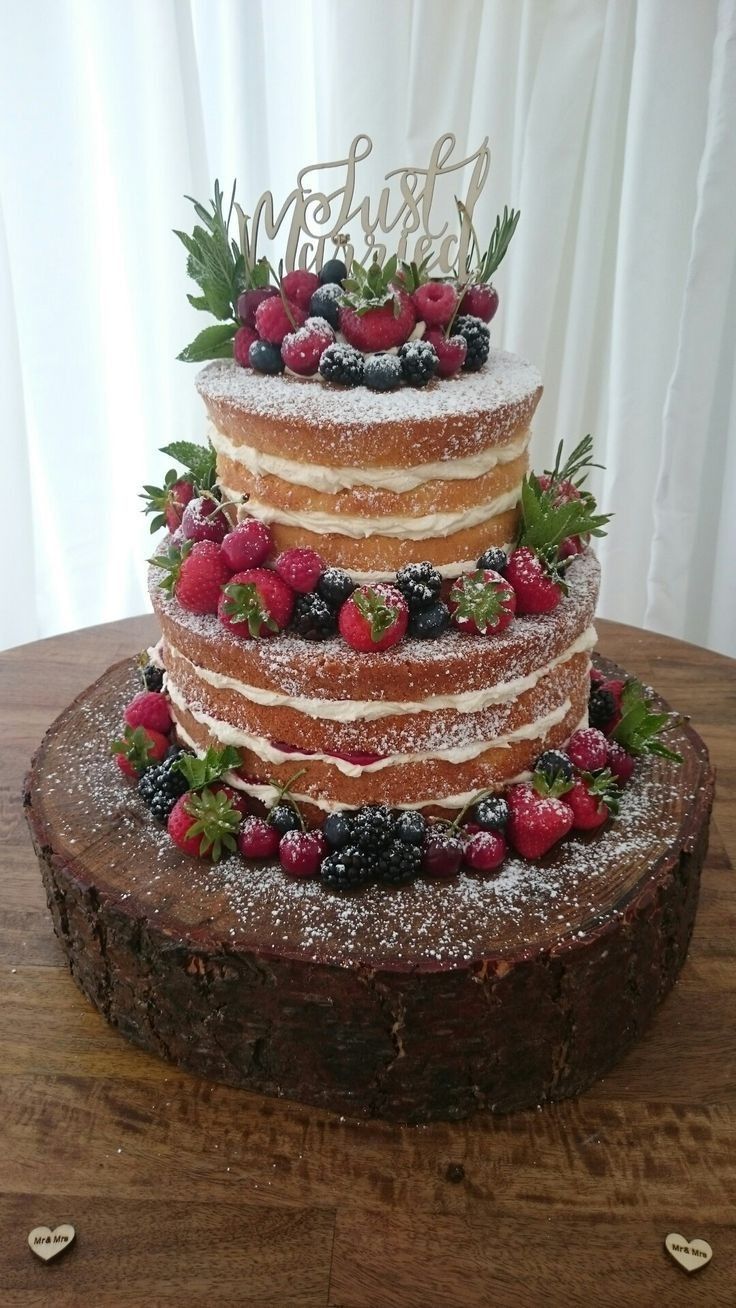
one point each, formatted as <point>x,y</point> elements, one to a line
<point>442,854</point>
<point>258,839</point>
<point>204,520</point>
<point>480,301</point>
<point>247,545</point>
<point>249,301</point>
<point>301,852</point>
<point>450,351</point>
<point>485,851</point>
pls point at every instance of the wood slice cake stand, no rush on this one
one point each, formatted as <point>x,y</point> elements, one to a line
<point>435,1000</point>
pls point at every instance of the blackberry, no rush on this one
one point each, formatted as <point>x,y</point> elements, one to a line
<point>398,864</point>
<point>491,813</point>
<point>419,362</point>
<point>477,337</point>
<point>337,830</point>
<point>346,869</point>
<point>382,372</point>
<point>420,585</point>
<point>265,357</point>
<point>325,303</point>
<point>153,677</point>
<point>332,271</point>
<point>284,818</point>
<point>430,623</point>
<point>495,559</point>
<point>313,619</point>
<point>411,827</point>
<point>553,765</point>
<point>373,827</point>
<point>335,586</point>
<point>601,707</point>
<point>161,786</point>
<point>342,364</point>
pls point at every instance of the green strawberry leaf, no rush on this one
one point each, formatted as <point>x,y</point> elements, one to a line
<point>216,820</point>
<point>198,459</point>
<point>379,615</point>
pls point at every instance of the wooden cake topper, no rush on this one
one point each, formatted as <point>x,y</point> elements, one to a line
<point>690,1254</point>
<point>404,210</point>
<point>47,1243</point>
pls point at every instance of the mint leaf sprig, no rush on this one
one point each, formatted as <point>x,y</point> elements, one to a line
<point>202,770</point>
<point>372,287</point>
<point>640,729</point>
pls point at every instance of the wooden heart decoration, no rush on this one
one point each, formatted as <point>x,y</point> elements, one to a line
<point>47,1243</point>
<point>690,1254</point>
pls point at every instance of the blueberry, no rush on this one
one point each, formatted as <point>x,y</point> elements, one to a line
<point>554,765</point>
<point>325,303</point>
<point>491,813</point>
<point>284,818</point>
<point>382,372</point>
<point>265,357</point>
<point>411,827</point>
<point>337,830</point>
<point>335,586</point>
<point>333,271</point>
<point>495,559</point>
<point>430,623</point>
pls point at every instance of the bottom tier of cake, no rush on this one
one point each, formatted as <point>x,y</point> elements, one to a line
<point>434,1000</point>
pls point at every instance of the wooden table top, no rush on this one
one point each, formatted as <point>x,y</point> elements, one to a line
<point>185,1192</point>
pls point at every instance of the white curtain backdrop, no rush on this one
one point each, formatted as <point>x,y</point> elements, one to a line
<point>612,126</point>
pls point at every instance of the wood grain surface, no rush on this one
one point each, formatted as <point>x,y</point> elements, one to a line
<point>184,1192</point>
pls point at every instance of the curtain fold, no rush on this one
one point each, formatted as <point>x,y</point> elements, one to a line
<point>611,127</point>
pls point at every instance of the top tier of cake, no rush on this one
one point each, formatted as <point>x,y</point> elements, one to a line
<point>373,481</point>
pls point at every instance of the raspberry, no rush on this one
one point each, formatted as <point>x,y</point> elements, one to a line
<point>485,851</point>
<point>301,852</point>
<point>203,519</point>
<point>255,603</point>
<point>419,362</point>
<point>247,545</point>
<point>379,329</point>
<point>257,838</point>
<point>249,301</point>
<point>325,303</point>
<point>588,750</point>
<point>435,303</point>
<point>342,364</point>
<point>535,591</point>
<point>451,351</point>
<point>477,339</point>
<point>302,350</point>
<point>313,619</point>
<point>382,372</point>
<point>374,618</point>
<point>419,583</point>
<point>137,749</point>
<point>149,708</point>
<point>275,319</point>
<point>479,301</point>
<point>620,762</point>
<point>482,603</point>
<point>265,357</point>
<point>202,573</point>
<point>299,286</point>
<point>242,341</point>
<point>300,568</point>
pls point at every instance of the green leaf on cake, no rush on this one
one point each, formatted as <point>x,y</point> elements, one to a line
<point>210,766</point>
<point>639,730</point>
<point>197,459</point>
<point>215,342</point>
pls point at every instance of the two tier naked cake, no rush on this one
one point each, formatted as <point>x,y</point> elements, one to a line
<point>379,832</point>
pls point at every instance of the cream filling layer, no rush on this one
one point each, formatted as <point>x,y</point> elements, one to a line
<point>227,734</point>
<point>427,526</point>
<point>319,477</point>
<point>354,710</point>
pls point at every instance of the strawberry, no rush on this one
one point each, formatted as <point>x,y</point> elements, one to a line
<point>592,800</point>
<point>302,350</point>
<point>300,568</point>
<point>620,763</point>
<point>435,303</point>
<point>299,287</point>
<point>482,603</point>
<point>149,709</point>
<point>275,318</point>
<point>256,603</point>
<point>248,545</point>
<point>536,822</point>
<point>205,823</point>
<point>588,750</point>
<point>450,351</point>
<point>242,341</point>
<point>203,519</point>
<point>194,574</point>
<point>534,588</point>
<point>138,749</point>
<point>374,618</point>
<point>168,502</point>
